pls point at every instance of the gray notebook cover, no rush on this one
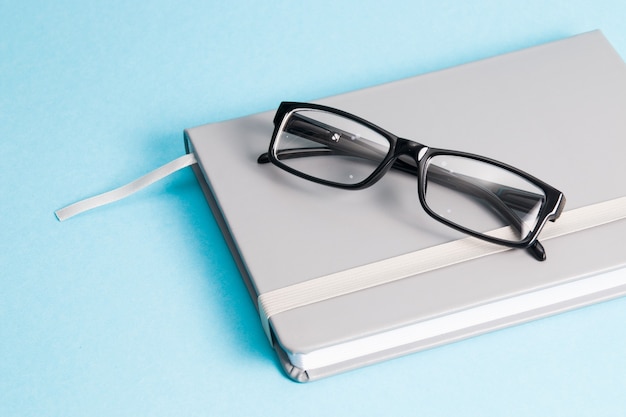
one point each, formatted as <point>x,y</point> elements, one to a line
<point>557,111</point>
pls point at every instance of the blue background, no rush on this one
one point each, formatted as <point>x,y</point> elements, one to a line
<point>137,308</point>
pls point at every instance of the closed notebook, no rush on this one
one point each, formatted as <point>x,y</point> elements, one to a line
<point>557,111</point>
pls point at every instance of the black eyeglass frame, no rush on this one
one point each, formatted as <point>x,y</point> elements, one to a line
<point>421,154</point>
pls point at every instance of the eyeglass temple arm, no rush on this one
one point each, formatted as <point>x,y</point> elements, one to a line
<point>300,153</point>
<point>335,138</point>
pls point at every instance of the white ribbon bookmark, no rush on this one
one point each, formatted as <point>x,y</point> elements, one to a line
<point>125,190</point>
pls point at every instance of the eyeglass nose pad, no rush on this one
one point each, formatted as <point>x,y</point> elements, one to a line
<point>537,251</point>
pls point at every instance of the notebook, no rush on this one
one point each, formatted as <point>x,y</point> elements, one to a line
<point>344,279</point>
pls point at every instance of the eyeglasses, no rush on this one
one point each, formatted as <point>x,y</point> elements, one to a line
<point>476,195</point>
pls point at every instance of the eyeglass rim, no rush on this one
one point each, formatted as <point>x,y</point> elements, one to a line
<point>287,108</point>
<point>551,210</point>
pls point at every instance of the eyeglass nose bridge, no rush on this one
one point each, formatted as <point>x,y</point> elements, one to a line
<point>409,147</point>
<point>405,156</point>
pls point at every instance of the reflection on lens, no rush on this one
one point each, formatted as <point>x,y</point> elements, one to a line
<point>482,197</point>
<point>329,147</point>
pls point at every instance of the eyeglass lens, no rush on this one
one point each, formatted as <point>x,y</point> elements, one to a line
<point>482,197</point>
<point>344,151</point>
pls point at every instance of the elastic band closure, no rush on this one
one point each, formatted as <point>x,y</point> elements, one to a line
<point>424,260</point>
<point>125,190</point>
